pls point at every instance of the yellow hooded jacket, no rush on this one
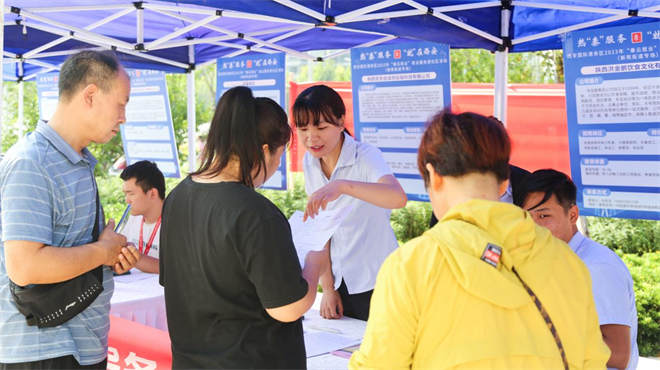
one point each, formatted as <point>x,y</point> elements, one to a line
<point>438,305</point>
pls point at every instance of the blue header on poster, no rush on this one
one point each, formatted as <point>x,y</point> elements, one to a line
<point>148,133</point>
<point>613,107</point>
<point>264,74</point>
<point>396,89</point>
<point>48,94</point>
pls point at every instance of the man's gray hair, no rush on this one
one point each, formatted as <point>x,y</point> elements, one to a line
<point>88,67</point>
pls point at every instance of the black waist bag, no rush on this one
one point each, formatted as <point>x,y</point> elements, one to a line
<point>50,305</point>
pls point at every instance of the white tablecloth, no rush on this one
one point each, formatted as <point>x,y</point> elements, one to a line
<point>139,298</point>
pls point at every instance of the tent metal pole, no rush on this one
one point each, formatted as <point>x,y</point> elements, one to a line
<point>409,13</point>
<point>456,22</point>
<point>384,15</point>
<point>502,70</point>
<point>2,50</point>
<point>501,79</point>
<point>44,64</point>
<point>366,10</point>
<point>240,35</point>
<point>257,17</point>
<point>153,57</point>
<point>258,50</point>
<point>140,26</point>
<point>181,31</point>
<point>192,141</point>
<point>202,10</point>
<point>59,53</point>
<point>82,32</point>
<point>54,9</point>
<point>28,78</point>
<point>103,21</point>
<point>21,106</point>
<point>103,45</point>
<point>455,8</point>
<point>302,9</point>
<point>176,44</point>
<point>366,44</point>
<point>273,40</point>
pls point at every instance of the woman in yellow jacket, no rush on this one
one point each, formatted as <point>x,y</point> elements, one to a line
<point>486,287</point>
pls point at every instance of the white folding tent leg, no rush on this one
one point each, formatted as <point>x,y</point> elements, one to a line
<point>502,70</point>
<point>21,106</point>
<point>501,82</point>
<point>192,141</point>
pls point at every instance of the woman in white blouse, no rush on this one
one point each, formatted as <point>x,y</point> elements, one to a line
<point>339,172</point>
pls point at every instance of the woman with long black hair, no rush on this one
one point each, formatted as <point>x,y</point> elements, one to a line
<point>234,289</point>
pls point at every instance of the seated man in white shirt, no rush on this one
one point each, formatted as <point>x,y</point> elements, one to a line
<point>550,197</point>
<point>144,186</point>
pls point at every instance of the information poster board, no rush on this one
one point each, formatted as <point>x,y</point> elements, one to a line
<point>148,133</point>
<point>613,107</point>
<point>396,89</point>
<point>264,74</point>
<point>48,94</point>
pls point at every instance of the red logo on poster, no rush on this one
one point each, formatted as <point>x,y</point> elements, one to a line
<point>249,64</point>
<point>56,78</point>
<point>397,54</point>
<point>137,73</point>
<point>636,37</point>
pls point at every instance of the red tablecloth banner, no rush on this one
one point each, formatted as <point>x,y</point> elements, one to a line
<point>135,346</point>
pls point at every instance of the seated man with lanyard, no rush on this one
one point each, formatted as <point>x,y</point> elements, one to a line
<point>144,186</point>
<point>516,176</point>
<point>550,197</point>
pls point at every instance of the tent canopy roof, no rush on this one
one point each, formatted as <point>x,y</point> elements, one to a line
<point>217,28</point>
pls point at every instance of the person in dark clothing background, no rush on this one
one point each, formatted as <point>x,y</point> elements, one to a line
<point>517,175</point>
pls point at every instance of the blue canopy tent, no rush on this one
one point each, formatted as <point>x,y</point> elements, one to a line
<point>181,35</point>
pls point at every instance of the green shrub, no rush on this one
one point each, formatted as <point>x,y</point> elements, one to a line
<point>629,236</point>
<point>645,271</point>
<point>289,201</point>
<point>112,196</point>
<point>411,221</point>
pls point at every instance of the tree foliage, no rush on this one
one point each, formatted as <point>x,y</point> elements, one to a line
<point>476,65</point>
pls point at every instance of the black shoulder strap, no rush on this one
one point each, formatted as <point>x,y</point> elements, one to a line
<point>547,319</point>
<point>98,272</point>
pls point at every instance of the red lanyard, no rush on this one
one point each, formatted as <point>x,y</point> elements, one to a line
<point>151,239</point>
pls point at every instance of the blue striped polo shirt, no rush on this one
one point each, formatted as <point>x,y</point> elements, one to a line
<point>47,195</point>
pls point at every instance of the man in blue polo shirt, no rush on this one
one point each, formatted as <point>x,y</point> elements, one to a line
<point>550,197</point>
<point>48,205</point>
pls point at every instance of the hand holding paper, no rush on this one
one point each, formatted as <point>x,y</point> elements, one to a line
<point>320,198</point>
<point>313,234</point>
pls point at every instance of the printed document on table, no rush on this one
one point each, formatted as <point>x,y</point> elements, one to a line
<point>320,343</point>
<point>312,234</point>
